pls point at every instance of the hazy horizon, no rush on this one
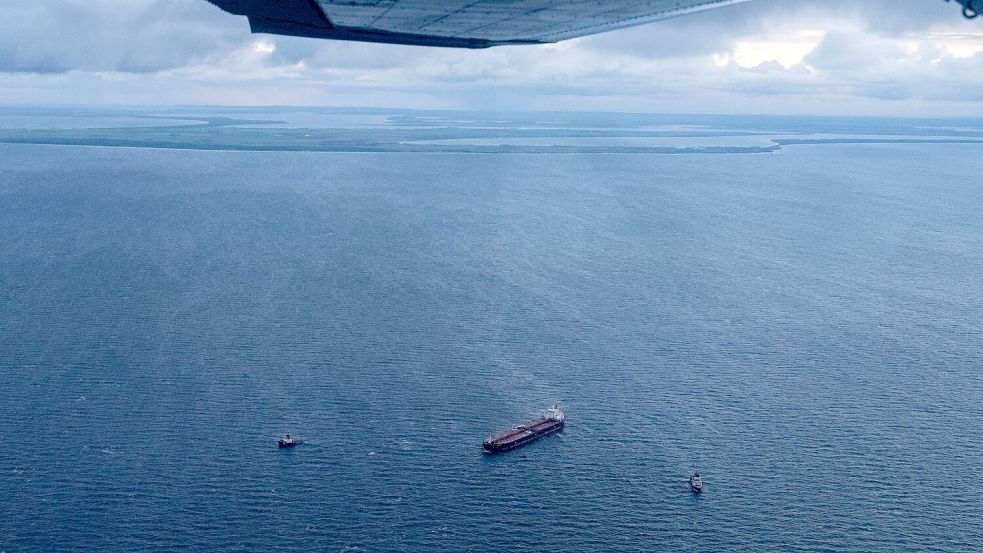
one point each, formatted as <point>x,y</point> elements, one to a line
<point>503,110</point>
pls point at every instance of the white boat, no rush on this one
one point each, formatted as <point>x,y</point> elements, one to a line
<point>696,483</point>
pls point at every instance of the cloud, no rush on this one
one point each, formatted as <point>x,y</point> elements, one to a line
<point>849,52</point>
<point>137,36</point>
<point>813,55</point>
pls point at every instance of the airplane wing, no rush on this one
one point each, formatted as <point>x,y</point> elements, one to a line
<point>456,23</point>
<point>466,23</point>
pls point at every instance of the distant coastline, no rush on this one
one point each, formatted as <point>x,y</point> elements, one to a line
<point>476,132</point>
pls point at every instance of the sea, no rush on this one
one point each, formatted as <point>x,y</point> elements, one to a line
<point>803,327</point>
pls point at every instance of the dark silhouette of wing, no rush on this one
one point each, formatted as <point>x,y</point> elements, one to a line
<point>455,23</point>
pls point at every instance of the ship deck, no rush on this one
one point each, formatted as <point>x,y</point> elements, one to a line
<point>522,432</point>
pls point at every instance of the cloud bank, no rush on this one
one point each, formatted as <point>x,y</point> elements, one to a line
<point>813,56</point>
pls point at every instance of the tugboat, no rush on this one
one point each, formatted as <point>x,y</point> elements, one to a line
<point>526,433</point>
<point>696,483</point>
<point>287,441</point>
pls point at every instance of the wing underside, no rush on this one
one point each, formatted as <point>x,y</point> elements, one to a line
<point>456,23</point>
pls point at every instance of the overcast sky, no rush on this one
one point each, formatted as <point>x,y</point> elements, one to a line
<point>885,57</point>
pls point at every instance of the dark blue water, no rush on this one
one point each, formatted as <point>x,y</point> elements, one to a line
<point>803,328</point>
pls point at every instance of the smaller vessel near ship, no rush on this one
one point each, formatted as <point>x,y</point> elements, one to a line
<point>526,433</point>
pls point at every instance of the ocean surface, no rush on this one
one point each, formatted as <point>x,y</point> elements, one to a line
<point>803,327</point>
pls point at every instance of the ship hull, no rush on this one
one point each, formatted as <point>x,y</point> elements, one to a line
<point>513,440</point>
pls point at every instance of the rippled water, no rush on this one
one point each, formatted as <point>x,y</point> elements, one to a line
<point>803,328</point>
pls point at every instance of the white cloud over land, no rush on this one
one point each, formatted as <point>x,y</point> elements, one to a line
<point>767,56</point>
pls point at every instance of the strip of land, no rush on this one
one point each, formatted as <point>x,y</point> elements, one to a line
<point>269,135</point>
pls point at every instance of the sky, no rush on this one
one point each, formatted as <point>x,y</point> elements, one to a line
<point>831,57</point>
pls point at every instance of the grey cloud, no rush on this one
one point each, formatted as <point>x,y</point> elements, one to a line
<point>771,66</point>
<point>841,51</point>
<point>102,35</point>
<point>141,36</point>
<point>188,51</point>
<point>897,17</point>
<point>705,33</point>
<point>720,30</point>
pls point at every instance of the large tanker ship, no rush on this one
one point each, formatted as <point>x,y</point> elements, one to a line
<point>526,433</point>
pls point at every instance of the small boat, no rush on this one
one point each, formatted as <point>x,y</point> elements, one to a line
<point>696,483</point>
<point>287,441</point>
